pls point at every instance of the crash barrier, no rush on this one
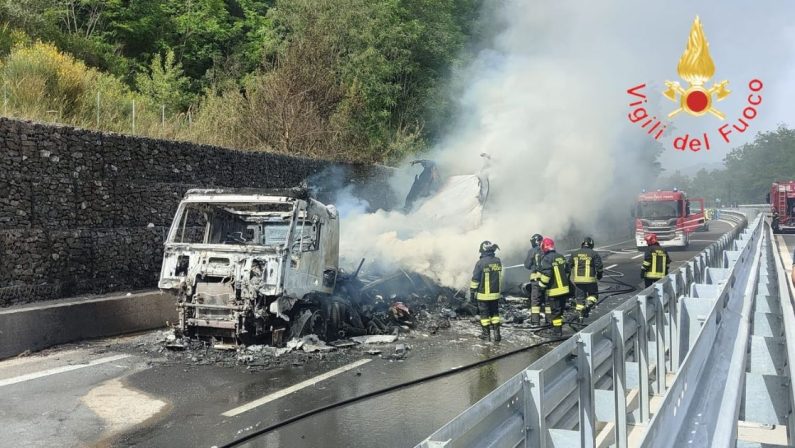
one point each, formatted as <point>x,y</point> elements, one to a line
<point>599,386</point>
<point>733,385</point>
<point>34,327</point>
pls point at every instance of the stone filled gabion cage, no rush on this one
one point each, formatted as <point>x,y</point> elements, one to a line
<point>86,212</point>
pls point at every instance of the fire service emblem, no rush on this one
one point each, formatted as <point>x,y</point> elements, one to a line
<point>696,68</point>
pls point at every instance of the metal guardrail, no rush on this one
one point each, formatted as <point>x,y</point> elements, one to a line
<point>787,301</point>
<point>590,389</point>
<point>697,404</point>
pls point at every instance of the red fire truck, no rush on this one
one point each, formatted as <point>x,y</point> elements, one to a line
<point>669,215</point>
<point>782,200</point>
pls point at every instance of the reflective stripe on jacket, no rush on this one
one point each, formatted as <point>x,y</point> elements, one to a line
<point>655,263</point>
<point>585,265</point>
<point>554,274</point>
<point>487,277</point>
<point>532,261</point>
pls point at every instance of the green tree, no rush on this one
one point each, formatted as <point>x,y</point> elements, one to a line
<point>165,84</point>
<point>751,168</point>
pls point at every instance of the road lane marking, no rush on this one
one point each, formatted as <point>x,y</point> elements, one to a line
<point>638,256</point>
<point>57,370</point>
<point>732,223</point>
<point>611,266</point>
<point>614,244</point>
<point>284,392</point>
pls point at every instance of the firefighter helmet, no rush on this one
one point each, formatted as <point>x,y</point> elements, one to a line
<point>547,245</point>
<point>536,239</point>
<point>587,242</point>
<point>651,239</point>
<point>488,246</point>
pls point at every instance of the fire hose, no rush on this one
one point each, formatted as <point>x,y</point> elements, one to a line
<point>384,390</point>
<point>623,288</point>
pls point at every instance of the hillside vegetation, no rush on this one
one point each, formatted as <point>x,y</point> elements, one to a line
<point>749,171</point>
<point>365,80</point>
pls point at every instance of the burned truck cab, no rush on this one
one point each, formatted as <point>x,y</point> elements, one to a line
<point>238,261</point>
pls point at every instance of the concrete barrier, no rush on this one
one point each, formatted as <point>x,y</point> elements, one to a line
<point>37,326</point>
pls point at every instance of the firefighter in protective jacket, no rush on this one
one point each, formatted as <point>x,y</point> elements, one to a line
<point>554,279</point>
<point>485,287</point>
<point>586,270</point>
<point>532,263</point>
<point>655,261</point>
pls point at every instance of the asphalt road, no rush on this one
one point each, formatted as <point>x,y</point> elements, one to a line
<point>98,396</point>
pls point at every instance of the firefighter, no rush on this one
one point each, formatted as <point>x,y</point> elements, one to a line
<point>586,270</point>
<point>553,278</point>
<point>485,287</point>
<point>655,262</point>
<point>531,263</point>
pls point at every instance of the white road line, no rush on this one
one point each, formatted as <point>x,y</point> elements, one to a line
<point>733,223</point>
<point>611,266</point>
<point>284,392</point>
<point>614,244</point>
<point>56,370</point>
<point>638,256</point>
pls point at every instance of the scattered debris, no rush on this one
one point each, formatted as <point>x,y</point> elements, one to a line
<point>309,343</point>
<point>373,352</point>
<point>400,351</point>
<point>342,343</point>
<point>447,313</point>
<point>376,339</point>
<point>313,344</point>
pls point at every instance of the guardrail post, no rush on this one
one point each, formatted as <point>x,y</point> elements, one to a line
<point>534,415</point>
<point>585,385</point>
<point>659,336</point>
<point>673,313</point>
<point>694,270</point>
<point>619,380</point>
<point>642,349</point>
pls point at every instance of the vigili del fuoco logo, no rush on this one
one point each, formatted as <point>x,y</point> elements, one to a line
<point>696,68</point>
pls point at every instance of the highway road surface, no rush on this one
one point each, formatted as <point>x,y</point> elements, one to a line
<point>108,393</point>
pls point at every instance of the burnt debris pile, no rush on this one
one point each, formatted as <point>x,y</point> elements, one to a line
<point>389,304</point>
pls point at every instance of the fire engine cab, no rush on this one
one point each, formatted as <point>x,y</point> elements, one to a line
<point>670,215</point>
<point>782,200</point>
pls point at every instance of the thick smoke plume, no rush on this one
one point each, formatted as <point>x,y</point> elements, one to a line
<point>546,98</point>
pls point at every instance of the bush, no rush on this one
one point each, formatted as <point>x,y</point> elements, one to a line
<point>42,83</point>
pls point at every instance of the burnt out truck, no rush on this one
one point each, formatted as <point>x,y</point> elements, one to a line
<point>251,265</point>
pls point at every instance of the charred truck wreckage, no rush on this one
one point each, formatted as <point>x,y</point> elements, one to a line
<point>262,266</point>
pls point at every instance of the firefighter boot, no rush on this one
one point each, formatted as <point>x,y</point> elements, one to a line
<point>582,312</point>
<point>485,334</point>
<point>556,331</point>
<point>497,337</point>
<point>591,304</point>
<point>535,316</point>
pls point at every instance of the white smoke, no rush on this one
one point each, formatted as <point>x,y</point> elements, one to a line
<point>348,205</point>
<point>547,100</point>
